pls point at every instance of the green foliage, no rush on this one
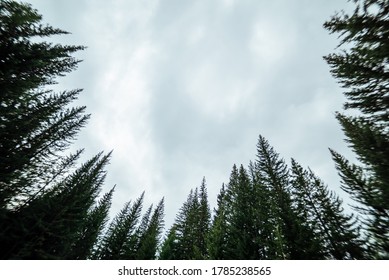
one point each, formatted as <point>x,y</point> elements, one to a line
<point>129,237</point>
<point>49,208</point>
<point>36,124</point>
<point>337,234</point>
<point>273,212</point>
<point>362,69</point>
<point>187,238</point>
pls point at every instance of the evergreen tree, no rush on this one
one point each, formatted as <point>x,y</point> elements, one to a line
<point>49,225</point>
<point>217,237</point>
<point>150,236</point>
<point>187,238</point>
<point>336,232</point>
<point>292,237</point>
<point>48,206</point>
<point>169,248</point>
<point>204,220</point>
<point>120,240</point>
<point>362,70</point>
<point>241,217</point>
<point>35,123</point>
<point>92,229</point>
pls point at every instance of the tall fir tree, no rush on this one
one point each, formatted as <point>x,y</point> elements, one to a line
<point>241,216</point>
<point>149,239</point>
<point>217,236</point>
<point>187,238</point>
<point>92,229</point>
<point>292,236</point>
<point>36,124</point>
<point>362,70</point>
<point>338,234</point>
<point>120,239</point>
<point>45,201</point>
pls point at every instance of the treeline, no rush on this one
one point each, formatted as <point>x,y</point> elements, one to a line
<point>267,211</point>
<point>51,207</point>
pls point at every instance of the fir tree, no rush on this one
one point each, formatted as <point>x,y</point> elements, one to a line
<point>187,238</point>
<point>91,232</point>
<point>150,236</point>
<point>36,124</point>
<point>241,217</point>
<point>337,233</point>
<point>217,237</point>
<point>169,248</point>
<point>49,225</point>
<point>120,240</point>
<point>47,206</point>
<point>362,70</point>
<point>292,237</point>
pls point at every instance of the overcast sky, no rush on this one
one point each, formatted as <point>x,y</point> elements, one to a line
<point>182,89</point>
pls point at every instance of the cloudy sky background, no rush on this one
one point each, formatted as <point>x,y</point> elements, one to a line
<point>182,89</point>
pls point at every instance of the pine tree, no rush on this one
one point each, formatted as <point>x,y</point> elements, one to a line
<point>45,202</point>
<point>169,248</point>
<point>337,233</point>
<point>36,124</point>
<point>292,237</point>
<point>120,240</point>
<point>362,70</point>
<point>217,236</point>
<point>204,220</point>
<point>241,216</point>
<point>150,237</point>
<point>187,238</point>
<point>48,206</point>
<point>48,226</point>
<point>92,229</point>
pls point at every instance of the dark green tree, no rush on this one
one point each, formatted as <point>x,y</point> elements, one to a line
<point>120,240</point>
<point>46,202</point>
<point>337,233</point>
<point>169,248</point>
<point>92,229</point>
<point>241,217</point>
<point>217,237</point>
<point>204,220</point>
<point>149,237</point>
<point>187,238</point>
<point>362,70</point>
<point>292,236</point>
<point>49,207</point>
<point>36,124</point>
<point>49,225</point>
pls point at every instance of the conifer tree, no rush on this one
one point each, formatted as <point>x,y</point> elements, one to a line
<point>362,70</point>
<point>204,217</point>
<point>337,233</point>
<point>241,217</point>
<point>169,248</point>
<point>120,240</point>
<point>217,237</point>
<point>292,237</point>
<point>92,229</point>
<point>47,205</point>
<point>149,238</point>
<point>36,124</point>
<point>49,225</point>
<point>187,238</point>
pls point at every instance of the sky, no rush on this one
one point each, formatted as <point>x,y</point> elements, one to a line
<point>181,90</point>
